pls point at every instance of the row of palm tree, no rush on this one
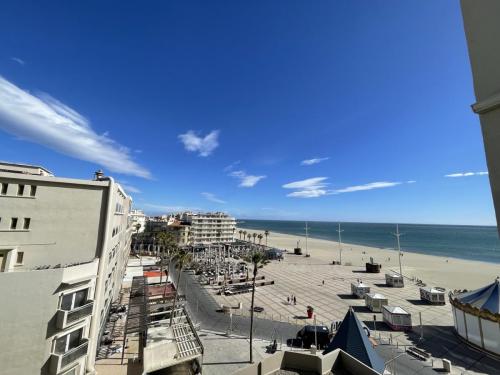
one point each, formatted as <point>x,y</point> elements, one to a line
<point>245,234</point>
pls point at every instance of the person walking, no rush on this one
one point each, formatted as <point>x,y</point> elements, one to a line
<point>294,300</point>
<point>288,299</point>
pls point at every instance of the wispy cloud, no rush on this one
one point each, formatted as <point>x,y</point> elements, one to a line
<point>308,188</point>
<point>369,186</point>
<point>160,208</point>
<point>466,174</point>
<point>231,166</point>
<point>128,188</point>
<point>212,198</point>
<point>246,180</point>
<point>313,161</point>
<point>317,186</point>
<point>203,145</point>
<point>48,122</point>
<point>18,60</point>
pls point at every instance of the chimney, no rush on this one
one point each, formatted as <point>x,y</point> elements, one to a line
<point>98,175</point>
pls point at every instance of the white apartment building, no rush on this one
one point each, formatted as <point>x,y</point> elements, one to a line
<point>210,227</point>
<point>64,245</point>
<point>137,217</point>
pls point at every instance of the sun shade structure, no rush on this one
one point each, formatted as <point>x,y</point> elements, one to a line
<point>476,316</point>
<point>352,339</point>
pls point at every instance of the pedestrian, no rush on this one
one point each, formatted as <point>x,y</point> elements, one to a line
<point>323,282</point>
<point>288,299</point>
<point>294,300</point>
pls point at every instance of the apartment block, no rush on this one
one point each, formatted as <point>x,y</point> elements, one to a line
<point>210,227</point>
<point>64,246</point>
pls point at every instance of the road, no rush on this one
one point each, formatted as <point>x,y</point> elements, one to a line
<point>203,310</point>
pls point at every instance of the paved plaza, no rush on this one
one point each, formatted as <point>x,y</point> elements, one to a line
<point>303,277</point>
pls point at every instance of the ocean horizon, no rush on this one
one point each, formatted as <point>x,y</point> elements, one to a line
<point>472,242</point>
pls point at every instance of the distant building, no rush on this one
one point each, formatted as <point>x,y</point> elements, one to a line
<point>137,217</point>
<point>64,245</point>
<point>210,227</point>
<point>180,230</point>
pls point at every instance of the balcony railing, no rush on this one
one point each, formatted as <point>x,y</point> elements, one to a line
<point>67,317</point>
<point>59,362</point>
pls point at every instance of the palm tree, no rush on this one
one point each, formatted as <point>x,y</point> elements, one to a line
<point>182,258</point>
<point>249,236</point>
<point>254,235</point>
<point>258,259</point>
<point>240,232</point>
<point>167,242</point>
<point>244,234</point>
<point>260,236</point>
<point>266,233</point>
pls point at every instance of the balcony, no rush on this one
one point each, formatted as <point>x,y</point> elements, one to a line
<point>60,362</point>
<point>65,318</point>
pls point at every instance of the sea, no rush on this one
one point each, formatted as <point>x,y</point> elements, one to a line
<point>457,241</point>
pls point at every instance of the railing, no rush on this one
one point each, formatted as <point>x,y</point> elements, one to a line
<point>60,361</point>
<point>68,317</point>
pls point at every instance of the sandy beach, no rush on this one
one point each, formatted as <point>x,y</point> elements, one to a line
<point>450,273</point>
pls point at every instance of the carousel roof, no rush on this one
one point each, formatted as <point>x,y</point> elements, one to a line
<point>352,338</point>
<point>485,298</point>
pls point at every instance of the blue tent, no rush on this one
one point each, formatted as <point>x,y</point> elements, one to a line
<point>485,298</point>
<point>352,339</point>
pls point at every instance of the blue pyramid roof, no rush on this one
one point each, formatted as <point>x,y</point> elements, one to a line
<point>485,298</point>
<point>352,339</point>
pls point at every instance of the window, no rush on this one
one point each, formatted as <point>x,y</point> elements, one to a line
<point>69,341</point>
<point>4,188</point>
<point>73,300</point>
<point>27,222</point>
<point>20,257</point>
<point>33,191</point>
<point>20,190</point>
<point>13,223</point>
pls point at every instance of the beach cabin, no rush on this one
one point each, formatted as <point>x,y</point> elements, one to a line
<point>372,267</point>
<point>433,295</point>
<point>397,318</point>
<point>359,289</point>
<point>375,301</point>
<point>394,280</point>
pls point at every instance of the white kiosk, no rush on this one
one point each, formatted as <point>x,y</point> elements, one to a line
<point>375,301</point>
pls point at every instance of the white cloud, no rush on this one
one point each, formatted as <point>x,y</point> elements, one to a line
<point>128,188</point>
<point>369,186</point>
<point>48,122</point>
<point>18,60</point>
<point>411,182</point>
<point>313,161</point>
<point>164,209</point>
<point>231,166</point>
<point>246,180</point>
<point>466,174</point>
<point>317,186</point>
<point>308,188</point>
<point>203,145</point>
<point>211,197</point>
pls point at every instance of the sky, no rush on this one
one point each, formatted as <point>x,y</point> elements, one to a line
<point>296,110</point>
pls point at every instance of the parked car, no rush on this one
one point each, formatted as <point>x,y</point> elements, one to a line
<point>307,333</point>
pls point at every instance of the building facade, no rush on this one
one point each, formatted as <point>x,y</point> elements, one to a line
<point>137,217</point>
<point>213,227</point>
<point>64,245</point>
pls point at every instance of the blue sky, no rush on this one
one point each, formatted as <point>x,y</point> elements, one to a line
<point>324,110</point>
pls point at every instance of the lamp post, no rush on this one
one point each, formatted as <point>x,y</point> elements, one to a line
<point>397,235</point>
<point>339,231</point>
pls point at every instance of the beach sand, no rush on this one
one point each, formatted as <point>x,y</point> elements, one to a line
<point>450,273</point>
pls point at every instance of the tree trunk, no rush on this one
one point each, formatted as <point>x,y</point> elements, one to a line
<point>175,297</point>
<point>251,312</point>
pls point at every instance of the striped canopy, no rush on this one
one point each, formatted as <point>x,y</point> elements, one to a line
<point>485,298</point>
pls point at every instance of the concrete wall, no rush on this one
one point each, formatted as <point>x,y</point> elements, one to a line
<point>482,29</point>
<point>64,225</point>
<point>30,301</point>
